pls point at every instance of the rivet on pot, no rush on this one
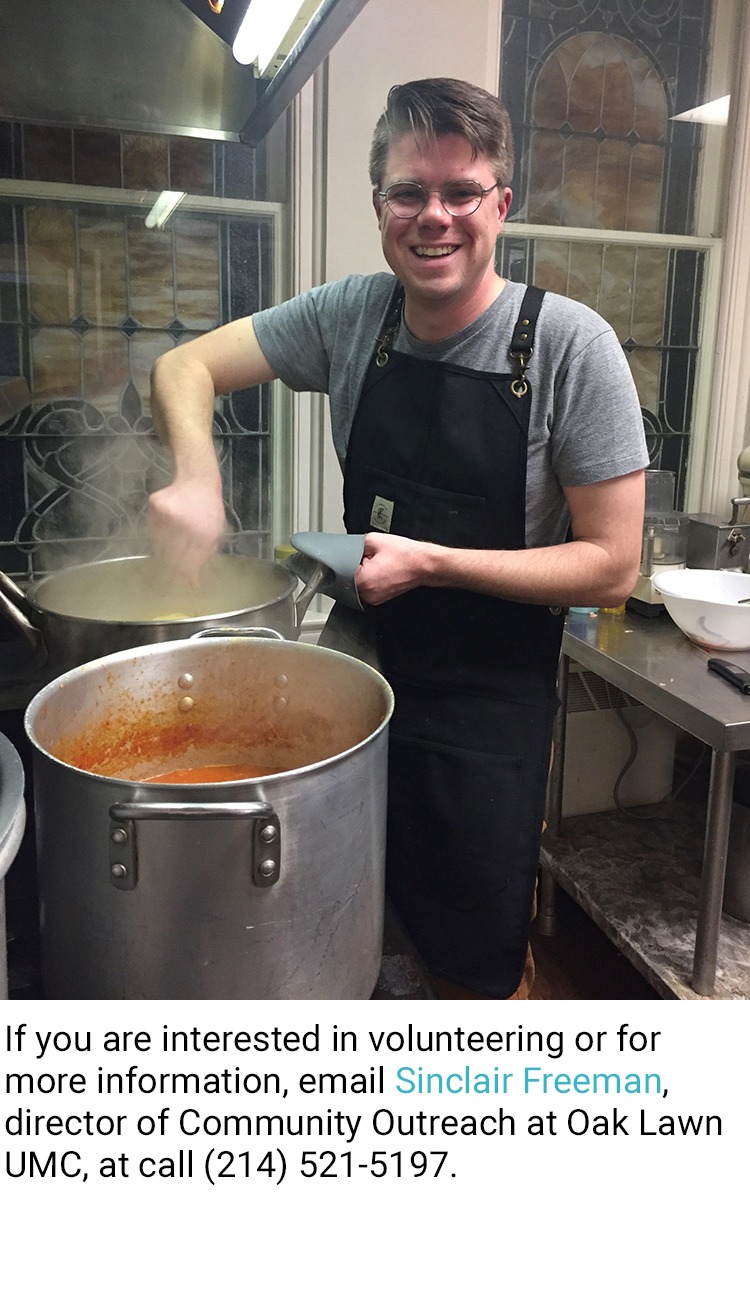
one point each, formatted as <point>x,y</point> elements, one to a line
<point>268,834</point>
<point>120,871</point>
<point>279,703</point>
<point>267,868</point>
<point>185,681</point>
<point>282,680</point>
<point>119,836</point>
<point>185,704</point>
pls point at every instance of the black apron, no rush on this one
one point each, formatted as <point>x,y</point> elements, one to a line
<point>438,453</point>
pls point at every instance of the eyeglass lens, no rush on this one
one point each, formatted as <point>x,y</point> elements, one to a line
<point>459,199</point>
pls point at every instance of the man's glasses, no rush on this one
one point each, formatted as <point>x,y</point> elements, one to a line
<point>459,198</point>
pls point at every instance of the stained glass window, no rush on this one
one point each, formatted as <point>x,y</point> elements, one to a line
<point>592,88</point>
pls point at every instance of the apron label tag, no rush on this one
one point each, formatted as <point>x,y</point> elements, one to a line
<point>381,514</point>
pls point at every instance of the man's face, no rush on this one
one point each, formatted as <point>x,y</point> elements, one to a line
<point>440,259</point>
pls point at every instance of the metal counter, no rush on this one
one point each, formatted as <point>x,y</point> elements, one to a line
<point>651,660</point>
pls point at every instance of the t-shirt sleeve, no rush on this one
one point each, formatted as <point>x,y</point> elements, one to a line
<point>597,428</point>
<point>324,328</point>
<point>292,340</point>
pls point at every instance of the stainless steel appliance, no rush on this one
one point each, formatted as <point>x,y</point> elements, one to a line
<point>715,544</point>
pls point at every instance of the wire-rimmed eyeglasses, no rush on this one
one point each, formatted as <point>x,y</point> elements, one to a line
<point>459,198</point>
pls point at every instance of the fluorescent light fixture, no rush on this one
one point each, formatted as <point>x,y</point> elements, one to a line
<point>264,30</point>
<point>162,210</point>
<point>715,113</point>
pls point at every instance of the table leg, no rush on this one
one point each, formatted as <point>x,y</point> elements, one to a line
<point>555,783</point>
<point>718,816</point>
<point>546,916</point>
<point>547,893</point>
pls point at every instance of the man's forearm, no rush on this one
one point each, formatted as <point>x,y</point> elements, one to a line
<point>186,519</point>
<point>599,567</point>
<point>577,572</point>
<point>182,409</point>
<point>186,381</point>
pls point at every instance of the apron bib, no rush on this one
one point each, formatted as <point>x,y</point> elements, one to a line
<point>438,453</point>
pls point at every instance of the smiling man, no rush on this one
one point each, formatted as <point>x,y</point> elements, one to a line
<point>493,451</point>
<point>443,255</point>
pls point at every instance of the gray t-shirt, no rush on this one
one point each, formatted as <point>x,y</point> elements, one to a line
<point>586,424</point>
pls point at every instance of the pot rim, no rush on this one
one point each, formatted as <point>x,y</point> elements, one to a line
<point>12,783</point>
<point>32,595</point>
<point>166,647</point>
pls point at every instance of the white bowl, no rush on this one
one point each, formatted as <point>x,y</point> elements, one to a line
<point>704,605</point>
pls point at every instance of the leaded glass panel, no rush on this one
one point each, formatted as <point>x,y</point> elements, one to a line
<point>90,298</point>
<point>592,87</point>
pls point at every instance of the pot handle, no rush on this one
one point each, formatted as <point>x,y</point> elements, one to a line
<point>264,632</point>
<point>13,590</point>
<point>318,577</point>
<point>265,849</point>
<point>16,615</point>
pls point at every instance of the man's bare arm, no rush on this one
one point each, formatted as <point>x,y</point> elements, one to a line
<point>598,567</point>
<point>186,519</point>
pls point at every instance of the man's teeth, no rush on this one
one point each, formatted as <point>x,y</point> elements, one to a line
<point>443,251</point>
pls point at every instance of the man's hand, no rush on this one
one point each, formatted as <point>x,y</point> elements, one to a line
<point>186,523</point>
<point>390,566</point>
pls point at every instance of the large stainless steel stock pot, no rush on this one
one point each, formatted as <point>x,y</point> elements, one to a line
<point>89,610</point>
<point>267,886</point>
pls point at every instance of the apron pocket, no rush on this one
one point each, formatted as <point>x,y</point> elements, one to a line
<point>429,514</point>
<point>456,822</point>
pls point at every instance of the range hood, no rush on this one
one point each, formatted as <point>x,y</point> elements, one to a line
<point>147,66</point>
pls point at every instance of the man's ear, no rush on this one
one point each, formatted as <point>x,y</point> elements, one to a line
<point>506,198</point>
<point>377,202</point>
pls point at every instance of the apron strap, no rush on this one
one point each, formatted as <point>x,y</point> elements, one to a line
<point>391,323</point>
<point>522,342</point>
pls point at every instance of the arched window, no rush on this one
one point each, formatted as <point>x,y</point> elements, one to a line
<point>593,89</point>
<point>596,150</point>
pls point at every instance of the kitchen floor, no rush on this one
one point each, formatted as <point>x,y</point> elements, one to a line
<point>578,962</point>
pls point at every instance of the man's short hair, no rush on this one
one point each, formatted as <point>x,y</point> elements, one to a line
<point>443,106</point>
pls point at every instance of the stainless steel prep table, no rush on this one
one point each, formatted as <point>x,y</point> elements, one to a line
<point>651,660</point>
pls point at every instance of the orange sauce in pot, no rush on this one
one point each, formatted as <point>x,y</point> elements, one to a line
<point>211,773</point>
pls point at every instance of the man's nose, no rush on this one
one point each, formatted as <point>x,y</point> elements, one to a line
<point>434,208</point>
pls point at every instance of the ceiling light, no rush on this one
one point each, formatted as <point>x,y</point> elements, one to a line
<point>163,208</point>
<point>715,113</point>
<point>269,30</point>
